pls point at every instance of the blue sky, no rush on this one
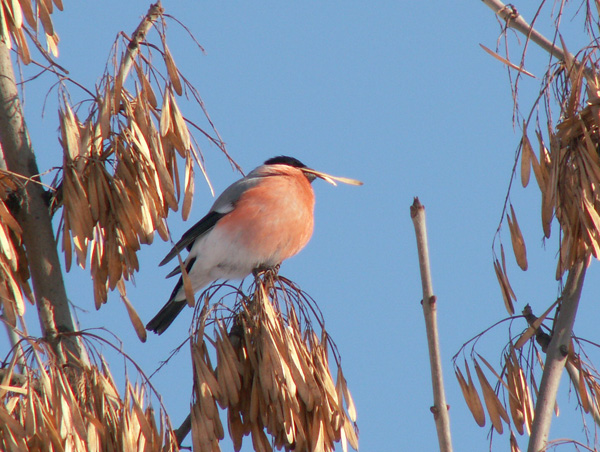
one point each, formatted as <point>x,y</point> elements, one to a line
<point>396,94</point>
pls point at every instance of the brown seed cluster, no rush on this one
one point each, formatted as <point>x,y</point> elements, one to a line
<point>50,407</point>
<point>121,174</point>
<point>511,400</point>
<point>120,178</point>
<point>568,170</point>
<point>15,15</point>
<point>520,401</point>
<point>273,378</point>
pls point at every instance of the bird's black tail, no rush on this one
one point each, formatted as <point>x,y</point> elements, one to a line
<point>165,316</point>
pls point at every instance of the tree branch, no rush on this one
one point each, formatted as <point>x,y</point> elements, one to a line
<point>556,358</point>
<point>33,215</point>
<point>138,36</point>
<point>514,20</point>
<point>439,408</point>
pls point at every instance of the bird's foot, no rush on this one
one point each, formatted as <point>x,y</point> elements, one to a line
<point>266,270</point>
<point>268,274</point>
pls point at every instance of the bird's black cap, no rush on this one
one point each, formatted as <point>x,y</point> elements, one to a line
<point>285,160</point>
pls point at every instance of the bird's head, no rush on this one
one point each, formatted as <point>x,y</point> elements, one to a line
<point>310,173</point>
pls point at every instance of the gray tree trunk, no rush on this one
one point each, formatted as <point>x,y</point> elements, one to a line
<point>33,214</point>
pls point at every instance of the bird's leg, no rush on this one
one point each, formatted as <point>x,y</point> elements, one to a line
<point>268,274</point>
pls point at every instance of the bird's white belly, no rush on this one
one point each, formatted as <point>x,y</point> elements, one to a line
<point>220,256</point>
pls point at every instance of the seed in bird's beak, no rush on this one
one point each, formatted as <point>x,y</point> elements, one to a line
<point>331,179</point>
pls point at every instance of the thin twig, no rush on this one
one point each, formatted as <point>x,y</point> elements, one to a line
<point>184,429</point>
<point>439,408</point>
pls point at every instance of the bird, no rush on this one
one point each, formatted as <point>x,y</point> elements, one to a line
<point>256,223</point>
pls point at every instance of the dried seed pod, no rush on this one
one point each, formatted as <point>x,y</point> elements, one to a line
<point>204,372</point>
<point>514,399</point>
<point>227,375</point>
<point>522,390</point>
<point>526,157</point>
<point>236,429</point>
<point>172,70</point>
<point>44,16</point>
<point>580,386</point>
<point>492,403</point>
<point>517,240</point>
<point>504,287</point>
<point>23,46</point>
<point>147,90</point>
<point>514,446</point>
<point>346,394</point>
<point>165,114</point>
<point>70,135</point>
<point>189,190</point>
<point>470,395</point>
<point>137,323</point>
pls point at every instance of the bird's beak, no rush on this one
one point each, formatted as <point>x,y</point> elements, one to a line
<point>332,179</point>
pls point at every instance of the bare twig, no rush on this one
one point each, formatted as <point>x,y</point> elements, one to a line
<point>515,20</point>
<point>183,430</point>
<point>439,408</point>
<point>138,37</point>
<point>556,358</point>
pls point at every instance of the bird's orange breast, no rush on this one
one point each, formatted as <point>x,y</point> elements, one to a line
<point>274,219</point>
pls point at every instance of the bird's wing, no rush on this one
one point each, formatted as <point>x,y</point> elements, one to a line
<point>199,229</point>
<point>224,204</point>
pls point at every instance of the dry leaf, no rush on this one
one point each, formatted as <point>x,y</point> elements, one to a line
<point>505,61</point>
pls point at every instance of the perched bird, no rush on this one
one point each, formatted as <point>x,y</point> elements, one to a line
<point>256,223</point>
